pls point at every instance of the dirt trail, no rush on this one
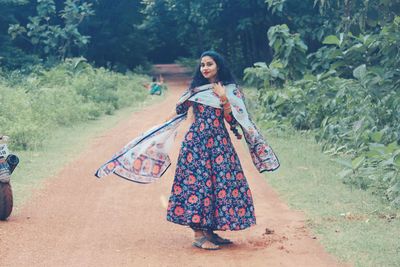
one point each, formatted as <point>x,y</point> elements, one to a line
<point>79,220</point>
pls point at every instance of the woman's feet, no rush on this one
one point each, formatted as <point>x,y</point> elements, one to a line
<point>209,240</point>
<point>202,241</point>
<point>216,239</point>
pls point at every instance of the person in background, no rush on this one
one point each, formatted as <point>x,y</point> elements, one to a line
<point>156,87</point>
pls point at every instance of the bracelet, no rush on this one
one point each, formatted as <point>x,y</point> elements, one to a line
<point>223,100</point>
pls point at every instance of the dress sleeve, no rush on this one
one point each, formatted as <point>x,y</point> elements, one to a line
<point>183,108</point>
<point>231,120</point>
<point>234,124</point>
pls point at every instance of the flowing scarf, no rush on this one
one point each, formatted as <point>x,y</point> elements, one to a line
<point>145,159</point>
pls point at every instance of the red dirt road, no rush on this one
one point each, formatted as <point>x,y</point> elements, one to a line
<point>79,220</point>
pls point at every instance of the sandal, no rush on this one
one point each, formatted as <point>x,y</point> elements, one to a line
<point>200,242</point>
<point>217,240</point>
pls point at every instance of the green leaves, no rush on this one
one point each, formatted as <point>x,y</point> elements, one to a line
<point>275,5</point>
<point>289,49</point>
<point>359,16</point>
<point>357,162</point>
<point>360,72</point>
<point>347,92</point>
<point>348,119</point>
<point>377,136</point>
<point>52,39</point>
<point>263,75</point>
<point>331,39</point>
<point>396,160</point>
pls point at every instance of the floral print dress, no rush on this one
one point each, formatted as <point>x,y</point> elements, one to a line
<point>210,191</point>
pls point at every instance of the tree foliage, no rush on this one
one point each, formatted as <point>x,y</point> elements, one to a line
<point>348,95</point>
<point>116,38</point>
<point>236,28</point>
<point>123,34</point>
<point>49,39</point>
<point>11,55</point>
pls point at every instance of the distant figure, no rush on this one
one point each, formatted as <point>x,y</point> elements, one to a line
<point>156,86</point>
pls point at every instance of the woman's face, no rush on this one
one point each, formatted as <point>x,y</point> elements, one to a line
<point>209,68</point>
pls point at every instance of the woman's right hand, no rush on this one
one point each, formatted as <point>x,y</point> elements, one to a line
<point>219,89</point>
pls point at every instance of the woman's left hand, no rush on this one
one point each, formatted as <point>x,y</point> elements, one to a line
<point>219,89</point>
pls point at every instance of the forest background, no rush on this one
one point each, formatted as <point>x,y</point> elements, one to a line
<point>327,67</point>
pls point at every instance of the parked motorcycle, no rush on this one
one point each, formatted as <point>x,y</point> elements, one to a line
<point>8,162</point>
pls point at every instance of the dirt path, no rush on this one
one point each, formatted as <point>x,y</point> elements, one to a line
<point>78,220</point>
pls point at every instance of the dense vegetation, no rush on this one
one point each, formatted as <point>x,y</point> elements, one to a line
<point>347,92</point>
<point>125,34</point>
<point>33,106</point>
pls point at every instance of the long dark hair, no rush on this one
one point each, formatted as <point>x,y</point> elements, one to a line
<point>224,75</point>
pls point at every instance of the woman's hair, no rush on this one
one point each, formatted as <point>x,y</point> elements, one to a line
<point>224,75</point>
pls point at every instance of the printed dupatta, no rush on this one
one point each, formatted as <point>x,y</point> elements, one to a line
<point>145,159</point>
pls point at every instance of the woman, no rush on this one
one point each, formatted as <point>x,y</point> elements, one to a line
<point>210,191</point>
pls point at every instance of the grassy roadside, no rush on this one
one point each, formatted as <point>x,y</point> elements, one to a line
<point>65,142</point>
<point>354,225</point>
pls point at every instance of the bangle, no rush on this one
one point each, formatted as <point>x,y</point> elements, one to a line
<point>223,100</point>
<point>227,107</point>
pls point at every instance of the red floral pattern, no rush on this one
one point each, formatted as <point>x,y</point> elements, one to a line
<point>210,190</point>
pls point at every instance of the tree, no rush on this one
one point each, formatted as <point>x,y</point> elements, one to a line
<point>11,56</point>
<point>117,40</point>
<point>238,29</point>
<point>55,40</point>
<point>163,29</point>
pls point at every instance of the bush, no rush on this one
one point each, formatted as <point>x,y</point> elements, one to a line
<point>350,99</point>
<point>69,93</point>
<point>346,118</point>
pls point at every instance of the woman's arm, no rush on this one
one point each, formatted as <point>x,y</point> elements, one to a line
<point>219,89</point>
<point>226,105</point>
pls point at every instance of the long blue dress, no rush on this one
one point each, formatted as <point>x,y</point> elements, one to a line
<point>209,191</point>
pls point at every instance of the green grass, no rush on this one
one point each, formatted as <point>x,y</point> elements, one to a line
<point>65,143</point>
<point>354,225</point>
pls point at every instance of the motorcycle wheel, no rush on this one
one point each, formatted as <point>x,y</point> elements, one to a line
<point>6,201</point>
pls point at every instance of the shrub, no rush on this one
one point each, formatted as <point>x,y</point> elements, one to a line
<point>69,93</point>
<point>349,98</point>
